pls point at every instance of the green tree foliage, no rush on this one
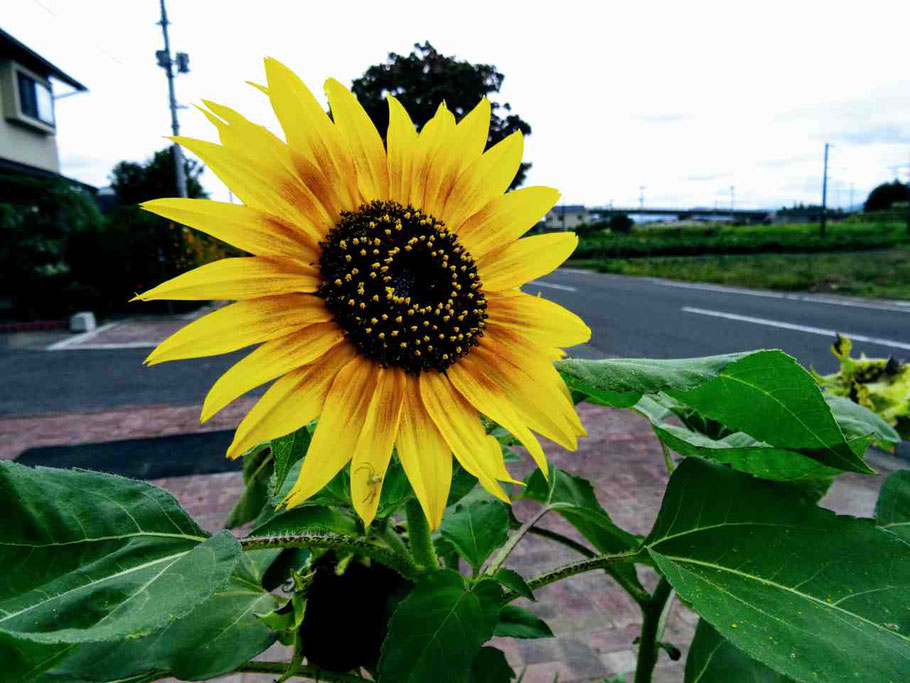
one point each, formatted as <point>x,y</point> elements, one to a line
<point>424,79</point>
<point>135,182</point>
<point>886,195</point>
<point>39,220</point>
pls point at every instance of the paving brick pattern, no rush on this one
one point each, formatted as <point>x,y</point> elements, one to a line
<point>594,621</point>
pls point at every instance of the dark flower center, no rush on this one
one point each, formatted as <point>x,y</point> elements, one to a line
<point>402,288</point>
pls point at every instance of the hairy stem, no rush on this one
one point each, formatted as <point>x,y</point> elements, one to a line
<point>420,537</point>
<point>302,672</point>
<point>509,546</point>
<point>651,622</point>
<point>564,572</point>
<point>393,540</point>
<point>400,563</point>
<point>637,593</point>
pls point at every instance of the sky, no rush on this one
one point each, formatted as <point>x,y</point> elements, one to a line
<point>684,99</point>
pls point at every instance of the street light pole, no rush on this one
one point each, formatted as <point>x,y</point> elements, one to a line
<point>165,61</point>
<point>821,226</point>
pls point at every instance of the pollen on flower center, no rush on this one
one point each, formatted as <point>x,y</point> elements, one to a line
<point>402,287</point>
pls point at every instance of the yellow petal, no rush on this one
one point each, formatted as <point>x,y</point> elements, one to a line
<point>273,359</point>
<point>534,389</point>
<point>260,186</point>
<point>401,141</point>
<point>487,178</point>
<point>524,260</point>
<point>424,455</point>
<point>470,380</point>
<point>364,140</point>
<point>238,278</point>
<point>374,447</point>
<point>310,131</point>
<point>462,147</point>
<point>315,196</point>
<point>291,402</point>
<point>245,228</point>
<point>430,162</point>
<point>505,219</point>
<point>241,324</point>
<point>539,319</point>
<point>460,426</point>
<point>340,424</point>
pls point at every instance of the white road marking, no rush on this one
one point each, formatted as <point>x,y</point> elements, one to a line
<point>798,328</point>
<point>898,307</point>
<point>85,336</point>
<point>111,345</point>
<point>541,283</point>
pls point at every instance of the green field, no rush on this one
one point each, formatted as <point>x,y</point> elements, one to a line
<point>875,273</point>
<point>730,239</point>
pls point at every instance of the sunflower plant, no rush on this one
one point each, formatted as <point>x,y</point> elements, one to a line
<point>408,373</point>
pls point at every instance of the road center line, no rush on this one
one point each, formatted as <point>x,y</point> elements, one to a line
<point>541,283</point>
<point>798,328</point>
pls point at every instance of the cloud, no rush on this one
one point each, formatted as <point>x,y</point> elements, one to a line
<point>702,177</point>
<point>882,134</point>
<point>663,118</point>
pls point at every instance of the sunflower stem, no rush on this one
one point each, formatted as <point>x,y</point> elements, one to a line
<point>507,549</point>
<point>652,616</point>
<point>420,537</point>
<point>393,540</point>
<point>301,672</point>
<point>567,570</point>
<point>400,563</point>
<point>637,593</point>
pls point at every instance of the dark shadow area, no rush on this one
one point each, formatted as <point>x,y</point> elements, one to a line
<point>154,458</point>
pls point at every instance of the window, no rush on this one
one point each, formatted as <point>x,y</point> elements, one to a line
<point>35,99</point>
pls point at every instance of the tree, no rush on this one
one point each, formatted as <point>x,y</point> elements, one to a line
<point>886,195</point>
<point>138,182</point>
<point>424,79</point>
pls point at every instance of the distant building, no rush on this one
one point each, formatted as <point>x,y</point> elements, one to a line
<point>28,126</point>
<point>567,217</point>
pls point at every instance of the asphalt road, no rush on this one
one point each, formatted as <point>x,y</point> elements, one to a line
<point>629,317</point>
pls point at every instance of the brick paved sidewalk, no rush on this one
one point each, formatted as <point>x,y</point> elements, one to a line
<point>594,621</point>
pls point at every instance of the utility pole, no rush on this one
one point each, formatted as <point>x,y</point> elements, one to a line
<point>821,226</point>
<point>166,63</point>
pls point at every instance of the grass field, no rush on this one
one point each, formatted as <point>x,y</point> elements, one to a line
<point>875,273</point>
<point>729,239</point>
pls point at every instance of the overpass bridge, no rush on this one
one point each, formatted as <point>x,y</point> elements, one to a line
<point>746,215</point>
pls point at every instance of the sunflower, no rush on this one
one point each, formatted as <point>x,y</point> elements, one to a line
<point>382,289</point>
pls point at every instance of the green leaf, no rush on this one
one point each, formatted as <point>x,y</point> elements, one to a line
<point>462,484</point>
<point>713,659</point>
<point>771,398</point>
<point>396,489</point>
<point>218,636</point>
<point>516,622</point>
<point>258,465</point>
<point>307,519</point>
<point>514,581</point>
<point>810,594</point>
<point>573,498</point>
<point>736,449</point>
<point>476,529</point>
<point>287,451</point>
<point>892,511</point>
<point>858,421</point>
<point>99,558</point>
<point>621,382</point>
<point>490,666</point>
<point>436,632</point>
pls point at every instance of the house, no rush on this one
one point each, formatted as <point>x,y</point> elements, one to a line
<point>567,217</point>
<point>28,125</point>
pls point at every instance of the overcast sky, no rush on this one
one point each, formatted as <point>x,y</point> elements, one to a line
<point>684,98</point>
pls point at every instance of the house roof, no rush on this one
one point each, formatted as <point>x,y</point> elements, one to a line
<point>568,208</point>
<point>10,48</point>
